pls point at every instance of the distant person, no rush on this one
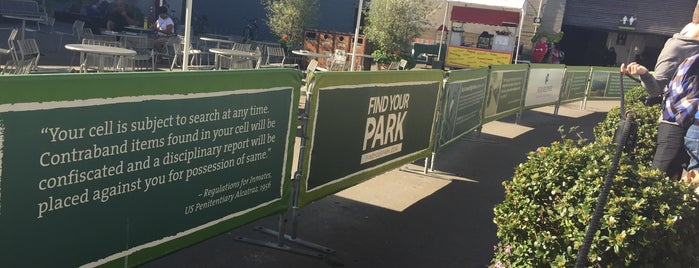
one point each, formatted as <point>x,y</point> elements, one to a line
<point>164,28</point>
<point>670,154</point>
<point>611,57</point>
<point>119,18</point>
<point>557,54</point>
<point>540,49</point>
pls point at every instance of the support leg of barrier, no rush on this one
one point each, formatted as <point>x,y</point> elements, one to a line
<point>316,248</point>
<point>282,247</point>
<point>293,212</point>
<point>435,174</point>
<point>424,170</point>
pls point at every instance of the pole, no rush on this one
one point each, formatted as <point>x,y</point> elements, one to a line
<point>187,35</point>
<point>538,15</point>
<point>356,33</point>
<point>444,25</point>
<point>519,34</point>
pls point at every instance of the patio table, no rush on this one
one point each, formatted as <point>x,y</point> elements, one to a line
<point>139,29</point>
<point>24,20</point>
<point>101,51</point>
<point>218,41</point>
<point>231,52</point>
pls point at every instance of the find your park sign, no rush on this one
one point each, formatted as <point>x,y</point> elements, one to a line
<point>368,127</point>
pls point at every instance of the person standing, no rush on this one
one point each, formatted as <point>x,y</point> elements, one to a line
<point>611,57</point>
<point>556,54</point>
<point>119,18</point>
<point>164,28</point>
<point>670,154</point>
<point>540,49</point>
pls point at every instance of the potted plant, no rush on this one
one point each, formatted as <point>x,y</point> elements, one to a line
<point>288,18</point>
<point>391,26</point>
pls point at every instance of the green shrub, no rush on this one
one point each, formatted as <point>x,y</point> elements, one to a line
<point>648,221</point>
<point>647,119</point>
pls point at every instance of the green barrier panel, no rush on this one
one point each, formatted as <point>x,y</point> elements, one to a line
<point>118,169</point>
<point>366,123</point>
<point>604,83</point>
<point>575,83</point>
<point>505,91</point>
<point>543,85</point>
<point>462,107</point>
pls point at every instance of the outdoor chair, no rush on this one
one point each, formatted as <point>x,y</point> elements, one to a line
<point>10,50</point>
<point>194,55</point>
<point>98,62</point>
<point>87,33</point>
<point>242,46</point>
<point>275,59</point>
<point>395,65</point>
<point>143,46</point>
<point>310,68</point>
<point>27,56</point>
<point>77,32</point>
<point>168,52</point>
<point>27,59</point>
<point>402,64</point>
<point>237,62</point>
<point>44,19</point>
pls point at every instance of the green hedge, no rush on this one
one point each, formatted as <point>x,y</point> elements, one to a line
<point>649,220</point>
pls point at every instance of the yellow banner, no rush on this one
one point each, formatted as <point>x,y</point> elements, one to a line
<point>466,57</point>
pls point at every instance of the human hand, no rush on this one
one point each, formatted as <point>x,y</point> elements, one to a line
<point>633,69</point>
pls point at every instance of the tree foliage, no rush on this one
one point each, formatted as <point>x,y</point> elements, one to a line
<point>288,18</point>
<point>392,25</point>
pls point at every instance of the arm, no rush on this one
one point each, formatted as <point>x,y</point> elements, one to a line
<point>169,29</point>
<point>653,86</point>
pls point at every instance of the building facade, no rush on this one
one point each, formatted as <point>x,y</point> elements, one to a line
<point>637,30</point>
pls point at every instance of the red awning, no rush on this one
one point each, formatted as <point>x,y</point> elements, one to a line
<point>484,16</point>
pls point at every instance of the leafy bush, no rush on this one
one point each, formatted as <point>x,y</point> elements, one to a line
<point>647,119</point>
<point>648,221</point>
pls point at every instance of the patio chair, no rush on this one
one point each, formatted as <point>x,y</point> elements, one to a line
<point>77,32</point>
<point>27,56</point>
<point>10,50</point>
<point>242,46</point>
<point>237,62</point>
<point>402,64</point>
<point>87,33</point>
<point>143,46</point>
<point>275,59</point>
<point>195,55</point>
<point>310,68</point>
<point>168,52</point>
<point>44,19</point>
<point>394,65</point>
<point>93,61</point>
